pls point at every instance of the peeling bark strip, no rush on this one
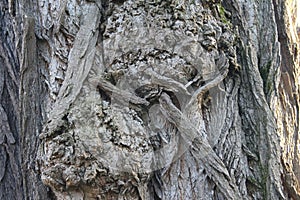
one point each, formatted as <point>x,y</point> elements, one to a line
<point>80,62</point>
<point>152,100</point>
<point>201,149</point>
<point>118,94</point>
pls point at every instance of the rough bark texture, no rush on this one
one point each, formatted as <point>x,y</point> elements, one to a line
<point>162,99</point>
<point>10,176</point>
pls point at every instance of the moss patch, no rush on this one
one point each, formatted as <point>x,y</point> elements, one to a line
<point>222,12</point>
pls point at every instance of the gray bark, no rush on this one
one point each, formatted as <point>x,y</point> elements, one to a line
<point>9,137</point>
<point>132,99</point>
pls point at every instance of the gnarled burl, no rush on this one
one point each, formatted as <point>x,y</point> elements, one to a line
<point>162,99</point>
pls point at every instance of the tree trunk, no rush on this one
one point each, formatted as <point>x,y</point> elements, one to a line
<point>132,99</point>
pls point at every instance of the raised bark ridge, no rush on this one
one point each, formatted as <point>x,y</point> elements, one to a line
<point>286,104</point>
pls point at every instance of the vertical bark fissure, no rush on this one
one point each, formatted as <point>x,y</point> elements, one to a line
<point>9,132</point>
<point>257,71</point>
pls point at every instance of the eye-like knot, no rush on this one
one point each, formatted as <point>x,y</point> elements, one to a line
<point>149,91</point>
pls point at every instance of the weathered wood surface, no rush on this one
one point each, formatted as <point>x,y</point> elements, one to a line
<point>10,175</point>
<point>132,99</point>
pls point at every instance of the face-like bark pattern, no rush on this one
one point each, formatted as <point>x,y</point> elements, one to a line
<point>108,129</point>
<point>174,99</point>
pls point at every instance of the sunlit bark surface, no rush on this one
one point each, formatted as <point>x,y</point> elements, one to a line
<point>134,99</point>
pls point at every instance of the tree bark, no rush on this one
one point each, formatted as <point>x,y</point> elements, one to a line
<point>129,99</point>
